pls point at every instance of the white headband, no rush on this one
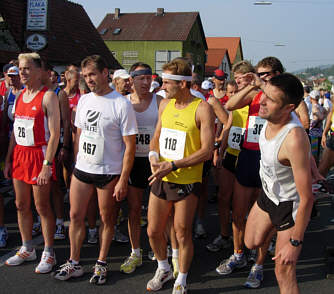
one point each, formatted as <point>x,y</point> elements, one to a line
<point>176,77</point>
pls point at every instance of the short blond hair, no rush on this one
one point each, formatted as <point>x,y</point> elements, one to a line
<point>34,57</point>
<point>243,67</point>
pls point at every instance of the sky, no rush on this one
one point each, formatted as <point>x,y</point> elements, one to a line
<point>304,30</point>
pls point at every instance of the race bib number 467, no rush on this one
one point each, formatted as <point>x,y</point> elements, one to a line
<point>172,143</point>
<point>91,147</point>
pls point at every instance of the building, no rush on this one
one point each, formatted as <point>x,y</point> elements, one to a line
<point>155,38</point>
<point>232,44</point>
<point>217,58</point>
<point>58,30</point>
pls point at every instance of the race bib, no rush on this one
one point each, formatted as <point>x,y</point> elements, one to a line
<point>91,147</point>
<point>24,131</point>
<point>172,143</point>
<point>255,125</point>
<point>234,137</point>
<point>143,139</point>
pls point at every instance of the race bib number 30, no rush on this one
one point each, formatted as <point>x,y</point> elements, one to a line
<point>24,132</point>
<point>143,139</point>
<point>172,143</point>
<point>255,125</point>
<point>91,147</point>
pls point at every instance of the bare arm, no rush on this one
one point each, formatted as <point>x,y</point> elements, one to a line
<point>302,113</point>
<point>241,98</point>
<point>327,128</point>
<point>65,117</point>
<point>8,161</point>
<point>121,187</point>
<point>51,108</point>
<point>219,110</point>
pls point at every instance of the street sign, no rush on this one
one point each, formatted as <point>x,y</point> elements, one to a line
<point>36,42</point>
<point>37,15</point>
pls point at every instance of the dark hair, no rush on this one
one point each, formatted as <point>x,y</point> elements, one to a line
<point>46,65</point>
<point>96,60</point>
<point>55,72</point>
<point>291,86</point>
<point>307,89</point>
<point>158,80</point>
<point>272,62</point>
<point>139,64</point>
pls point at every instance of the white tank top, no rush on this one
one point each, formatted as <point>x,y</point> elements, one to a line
<point>277,179</point>
<point>146,122</point>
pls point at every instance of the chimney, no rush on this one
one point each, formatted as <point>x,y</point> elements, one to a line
<point>160,12</point>
<point>117,13</point>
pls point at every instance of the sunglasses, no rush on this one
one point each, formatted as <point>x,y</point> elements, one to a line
<point>264,73</point>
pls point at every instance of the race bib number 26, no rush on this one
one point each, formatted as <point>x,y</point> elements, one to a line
<point>172,143</point>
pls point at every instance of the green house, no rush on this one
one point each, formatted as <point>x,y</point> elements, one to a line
<point>155,38</point>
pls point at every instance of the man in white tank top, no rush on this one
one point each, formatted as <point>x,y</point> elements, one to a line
<point>286,203</point>
<point>146,106</point>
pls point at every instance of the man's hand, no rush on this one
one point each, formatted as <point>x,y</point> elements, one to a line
<point>256,81</point>
<point>153,160</point>
<point>121,190</point>
<point>161,169</point>
<point>217,159</point>
<point>288,254</point>
<point>7,172</point>
<point>44,176</point>
<point>323,140</point>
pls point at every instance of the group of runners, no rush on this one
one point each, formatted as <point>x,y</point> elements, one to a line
<point>107,143</point>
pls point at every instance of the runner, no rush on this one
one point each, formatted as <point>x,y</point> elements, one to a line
<point>121,80</point>
<point>286,203</point>
<point>30,155</point>
<point>146,107</point>
<point>182,141</point>
<point>105,145</point>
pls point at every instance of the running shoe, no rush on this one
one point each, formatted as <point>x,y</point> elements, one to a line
<point>21,256</point>
<point>255,278</point>
<point>3,237</point>
<point>252,255</point>
<point>175,263</point>
<point>60,232</point>
<point>48,261</point>
<point>131,263</point>
<point>68,270</point>
<point>229,265</point>
<point>159,279</point>
<point>120,237</point>
<point>36,229</point>
<point>219,243</point>
<point>199,231</point>
<point>180,289</point>
<point>92,236</point>
<point>99,276</point>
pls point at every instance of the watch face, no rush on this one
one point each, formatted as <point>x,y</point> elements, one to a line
<point>295,242</point>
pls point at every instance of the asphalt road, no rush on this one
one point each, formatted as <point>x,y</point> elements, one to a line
<point>311,270</point>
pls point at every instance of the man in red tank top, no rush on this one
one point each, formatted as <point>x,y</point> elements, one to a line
<point>30,154</point>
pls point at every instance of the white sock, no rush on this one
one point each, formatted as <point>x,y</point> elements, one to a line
<point>164,265</point>
<point>181,279</point>
<point>238,255</point>
<point>136,251</point>
<point>59,221</point>
<point>75,262</point>
<point>175,253</point>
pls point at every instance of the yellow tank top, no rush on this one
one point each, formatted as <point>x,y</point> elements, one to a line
<point>179,138</point>
<point>332,125</point>
<point>239,121</point>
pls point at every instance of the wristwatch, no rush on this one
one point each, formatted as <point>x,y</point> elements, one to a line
<point>174,167</point>
<point>216,145</point>
<point>46,162</point>
<point>295,243</point>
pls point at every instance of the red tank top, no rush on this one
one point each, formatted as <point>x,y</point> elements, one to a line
<point>3,88</point>
<point>254,125</point>
<point>223,100</point>
<point>30,124</point>
<point>73,102</point>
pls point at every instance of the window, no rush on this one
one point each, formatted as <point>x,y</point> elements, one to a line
<point>129,57</point>
<point>164,56</point>
<point>114,53</point>
<point>103,31</point>
<point>116,31</point>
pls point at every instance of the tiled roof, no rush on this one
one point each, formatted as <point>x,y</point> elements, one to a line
<point>71,35</point>
<point>230,43</point>
<point>214,59</point>
<point>171,26</point>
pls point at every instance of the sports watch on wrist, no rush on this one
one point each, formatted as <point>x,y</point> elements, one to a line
<point>216,145</point>
<point>295,243</point>
<point>46,162</point>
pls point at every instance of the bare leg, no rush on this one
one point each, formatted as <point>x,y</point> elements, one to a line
<point>24,214</point>
<point>80,195</point>
<point>43,207</point>
<point>92,211</point>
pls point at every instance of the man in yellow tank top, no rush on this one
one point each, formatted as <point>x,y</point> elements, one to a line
<point>182,141</point>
